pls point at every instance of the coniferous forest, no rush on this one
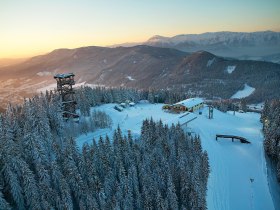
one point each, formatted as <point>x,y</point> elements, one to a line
<point>89,97</point>
<point>271,128</point>
<point>42,168</point>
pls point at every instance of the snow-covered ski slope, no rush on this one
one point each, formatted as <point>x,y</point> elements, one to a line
<point>238,178</point>
<point>246,91</point>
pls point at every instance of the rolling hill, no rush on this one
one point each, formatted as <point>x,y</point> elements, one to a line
<point>200,73</point>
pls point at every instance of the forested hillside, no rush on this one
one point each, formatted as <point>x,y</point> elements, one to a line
<point>144,67</point>
<point>88,97</point>
<point>41,167</point>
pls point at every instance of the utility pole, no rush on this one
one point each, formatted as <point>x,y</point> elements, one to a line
<point>211,109</point>
<point>252,193</point>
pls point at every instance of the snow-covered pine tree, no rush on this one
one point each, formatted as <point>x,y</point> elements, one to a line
<point>3,203</point>
<point>41,166</point>
<point>271,128</point>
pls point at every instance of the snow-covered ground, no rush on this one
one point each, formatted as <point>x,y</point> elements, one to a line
<point>238,178</point>
<point>130,118</point>
<point>130,78</point>
<point>247,90</point>
<point>258,107</point>
<point>210,62</point>
<point>44,73</point>
<point>230,69</point>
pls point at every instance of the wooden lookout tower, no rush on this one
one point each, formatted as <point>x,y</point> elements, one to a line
<point>65,89</point>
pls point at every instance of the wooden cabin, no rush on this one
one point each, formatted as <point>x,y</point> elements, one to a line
<point>189,105</point>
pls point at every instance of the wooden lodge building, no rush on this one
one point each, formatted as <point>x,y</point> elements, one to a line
<point>189,105</point>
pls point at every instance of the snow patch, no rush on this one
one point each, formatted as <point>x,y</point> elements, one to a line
<point>247,90</point>
<point>44,73</point>
<point>230,69</point>
<point>258,107</point>
<point>210,62</point>
<point>130,78</point>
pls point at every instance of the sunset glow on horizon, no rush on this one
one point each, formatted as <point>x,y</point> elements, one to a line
<point>33,27</point>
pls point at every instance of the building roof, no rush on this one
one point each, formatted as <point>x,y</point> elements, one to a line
<point>190,102</point>
<point>64,75</point>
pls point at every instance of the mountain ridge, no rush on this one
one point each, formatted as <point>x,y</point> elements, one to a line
<point>199,74</point>
<point>259,45</point>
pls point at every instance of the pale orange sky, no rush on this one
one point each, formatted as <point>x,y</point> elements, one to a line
<point>33,27</point>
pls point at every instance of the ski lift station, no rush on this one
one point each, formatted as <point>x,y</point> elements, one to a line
<point>189,105</point>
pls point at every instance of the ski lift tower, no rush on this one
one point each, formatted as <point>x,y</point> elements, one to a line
<point>65,89</point>
<point>211,110</point>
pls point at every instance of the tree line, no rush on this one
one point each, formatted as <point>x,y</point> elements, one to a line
<point>93,96</point>
<point>271,129</point>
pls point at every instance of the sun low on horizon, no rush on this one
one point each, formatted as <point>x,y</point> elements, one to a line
<point>31,27</point>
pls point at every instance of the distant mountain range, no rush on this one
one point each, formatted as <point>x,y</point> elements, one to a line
<point>200,73</point>
<point>263,45</point>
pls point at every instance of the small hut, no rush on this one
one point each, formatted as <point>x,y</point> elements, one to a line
<point>190,105</point>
